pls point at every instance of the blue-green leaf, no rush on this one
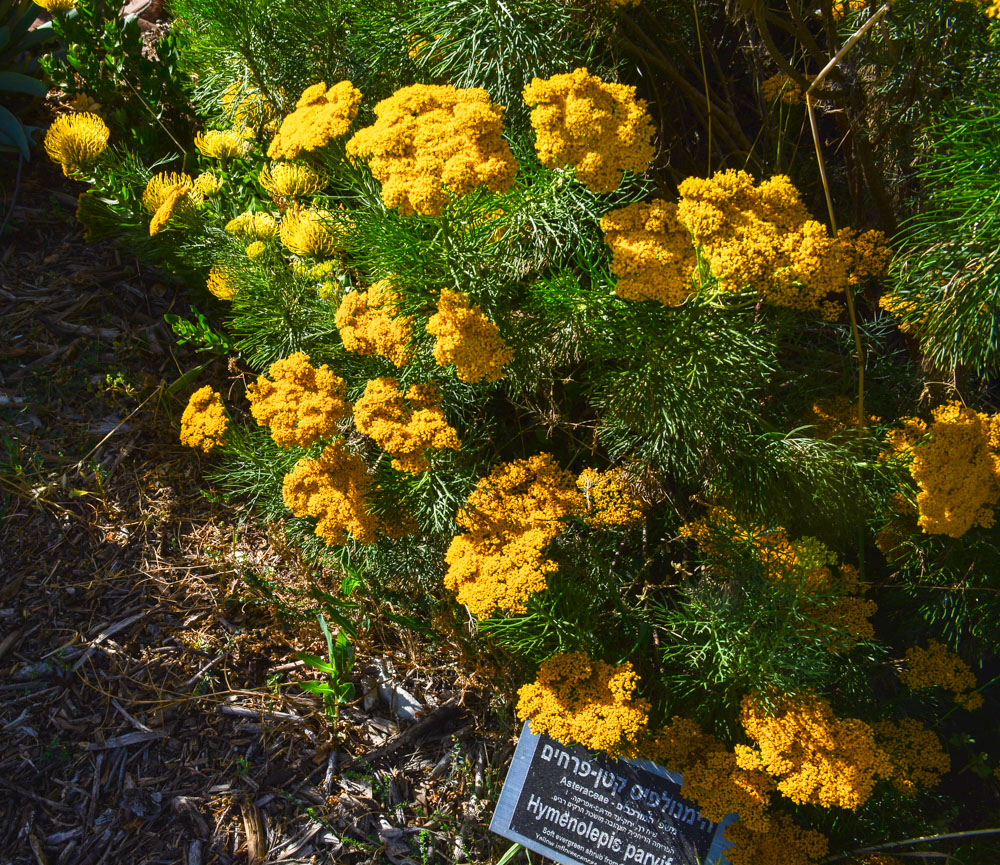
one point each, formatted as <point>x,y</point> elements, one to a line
<point>15,82</point>
<point>12,133</point>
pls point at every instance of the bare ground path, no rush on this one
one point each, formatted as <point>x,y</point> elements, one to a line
<point>148,705</point>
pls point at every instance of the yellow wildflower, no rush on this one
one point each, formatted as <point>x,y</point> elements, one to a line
<point>842,7</point>
<point>221,144</point>
<point>406,427</point>
<point>320,116</point>
<point>761,238</point>
<point>467,339</point>
<point>608,499</point>
<point>290,180</point>
<point>159,186</point>
<point>248,108</point>
<point>335,490</point>
<point>915,753</point>
<point>262,226</point>
<point>575,699</point>
<point>510,518</point>
<point>256,249</point>
<point>204,422</point>
<point>76,140</point>
<point>208,184</point>
<point>300,403</point>
<point>653,254</point>
<point>781,86</point>
<point>720,780</point>
<point>783,843</point>
<point>312,231</point>
<point>836,415</point>
<point>86,104</point>
<point>936,667</point>
<point>719,532</point>
<point>176,198</point>
<point>220,283</point>
<point>430,141</point>
<point>817,757</point>
<point>56,5</point>
<point>600,129</point>
<point>957,467</point>
<point>369,323</point>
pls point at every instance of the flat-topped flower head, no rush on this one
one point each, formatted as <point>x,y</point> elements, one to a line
<point>299,402</point>
<point>467,339</point>
<point>320,116</point>
<point>599,128</point>
<point>937,667</point>
<point>204,422</point>
<point>221,144</point>
<point>76,140</point>
<point>578,700</point>
<point>405,426</point>
<point>370,324</point>
<point>433,141</point>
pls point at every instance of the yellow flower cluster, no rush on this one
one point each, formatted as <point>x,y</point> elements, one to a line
<point>220,283</point>
<point>957,469</point>
<point>430,141</point>
<point>653,255</point>
<point>56,5</point>
<point>600,129</point>
<point>204,422</point>
<point>261,226</point>
<point>256,249</point>
<point>467,339</point>
<point>901,310</point>
<point>333,489</point>
<point>869,252</point>
<point>783,843</point>
<point>608,499</point>
<point>319,117</point>
<point>406,427</point>
<point>208,184</point>
<point>176,198</point>
<point>159,186</point>
<point>845,619</point>
<point>510,518</point>
<point>221,144</point>
<point>302,404</point>
<point>576,699</point>
<point>370,324</point>
<point>936,667</point>
<point>842,7</point>
<point>76,140</point>
<point>817,757</point>
<point>917,758</point>
<point>761,237</point>
<point>290,180</point>
<point>719,532</point>
<point>312,231</point>
<point>721,781</point>
<point>781,86</point>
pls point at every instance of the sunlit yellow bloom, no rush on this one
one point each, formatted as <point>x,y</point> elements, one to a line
<point>56,5</point>
<point>160,184</point>
<point>208,184</point>
<point>320,116</point>
<point>467,339</point>
<point>262,226</point>
<point>204,422</point>
<point>312,231</point>
<point>220,284</point>
<point>221,143</point>
<point>256,249</point>
<point>369,323</point>
<point>290,180</point>
<point>175,199</point>
<point>76,140</point>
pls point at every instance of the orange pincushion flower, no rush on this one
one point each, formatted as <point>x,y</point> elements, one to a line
<point>320,116</point>
<point>406,427</point>
<point>510,518</point>
<point>467,338</point>
<point>576,699</point>
<point>599,128</point>
<point>433,141</point>
<point>300,403</point>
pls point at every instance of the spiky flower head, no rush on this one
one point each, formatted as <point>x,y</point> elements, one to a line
<point>56,5</point>
<point>176,198</point>
<point>256,249</point>
<point>310,232</point>
<point>221,143</point>
<point>290,180</point>
<point>261,226</point>
<point>208,184</point>
<point>247,107</point>
<point>220,284</point>
<point>76,140</point>
<point>160,184</point>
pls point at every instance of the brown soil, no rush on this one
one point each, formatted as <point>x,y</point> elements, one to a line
<point>149,704</point>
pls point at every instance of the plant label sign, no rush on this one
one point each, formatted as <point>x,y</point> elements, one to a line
<point>578,809</point>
